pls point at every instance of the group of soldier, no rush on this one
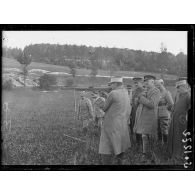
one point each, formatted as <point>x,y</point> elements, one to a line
<point>140,116</point>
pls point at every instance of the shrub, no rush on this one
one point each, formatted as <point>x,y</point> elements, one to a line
<point>69,82</point>
<point>8,84</point>
<point>47,81</point>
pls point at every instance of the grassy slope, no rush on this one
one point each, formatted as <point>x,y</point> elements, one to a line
<point>39,122</point>
<point>11,63</point>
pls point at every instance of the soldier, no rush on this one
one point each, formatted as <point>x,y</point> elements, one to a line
<point>104,94</point>
<point>98,103</point>
<point>147,120</point>
<point>85,112</point>
<point>177,94</point>
<point>164,107</point>
<point>129,89</point>
<point>179,121</point>
<point>138,89</point>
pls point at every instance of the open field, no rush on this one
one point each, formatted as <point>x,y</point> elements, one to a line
<point>40,126</point>
<point>39,122</point>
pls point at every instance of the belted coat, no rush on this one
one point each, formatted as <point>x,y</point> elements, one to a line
<point>148,118</point>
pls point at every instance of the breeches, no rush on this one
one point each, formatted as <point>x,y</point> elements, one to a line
<point>163,125</point>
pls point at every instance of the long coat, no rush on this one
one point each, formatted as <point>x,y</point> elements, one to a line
<point>148,119</point>
<point>114,137</point>
<point>178,125</point>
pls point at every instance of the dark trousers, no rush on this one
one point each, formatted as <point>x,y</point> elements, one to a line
<point>163,129</point>
<point>138,139</point>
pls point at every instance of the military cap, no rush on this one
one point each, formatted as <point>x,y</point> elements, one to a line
<point>149,77</point>
<point>181,82</point>
<point>137,79</point>
<point>182,78</point>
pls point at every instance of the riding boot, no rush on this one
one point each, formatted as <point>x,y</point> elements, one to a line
<point>85,131</point>
<point>165,138</point>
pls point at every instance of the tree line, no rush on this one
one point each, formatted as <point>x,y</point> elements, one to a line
<point>105,58</point>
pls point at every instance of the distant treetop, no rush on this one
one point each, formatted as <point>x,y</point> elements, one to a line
<point>104,58</point>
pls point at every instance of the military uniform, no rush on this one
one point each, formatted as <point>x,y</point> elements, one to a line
<point>129,89</point>
<point>147,118</point>
<point>164,115</point>
<point>99,103</point>
<point>179,124</point>
<point>85,112</point>
<point>135,104</point>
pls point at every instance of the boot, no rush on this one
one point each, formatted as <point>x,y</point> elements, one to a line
<point>160,137</point>
<point>85,131</point>
<point>165,138</point>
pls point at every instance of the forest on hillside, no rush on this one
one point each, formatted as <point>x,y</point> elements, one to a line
<point>105,58</point>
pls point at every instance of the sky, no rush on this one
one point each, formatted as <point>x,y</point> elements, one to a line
<point>175,41</point>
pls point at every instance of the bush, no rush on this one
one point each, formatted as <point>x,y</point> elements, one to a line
<point>46,81</point>
<point>69,82</point>
<point>8,84</point>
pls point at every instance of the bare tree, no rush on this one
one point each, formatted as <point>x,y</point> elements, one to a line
<point>24,59</point>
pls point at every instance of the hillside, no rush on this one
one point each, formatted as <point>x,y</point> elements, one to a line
<point>11,63</point>
<point>11,70</point>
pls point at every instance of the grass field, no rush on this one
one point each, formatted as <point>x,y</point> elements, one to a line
<point>41,123</point>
